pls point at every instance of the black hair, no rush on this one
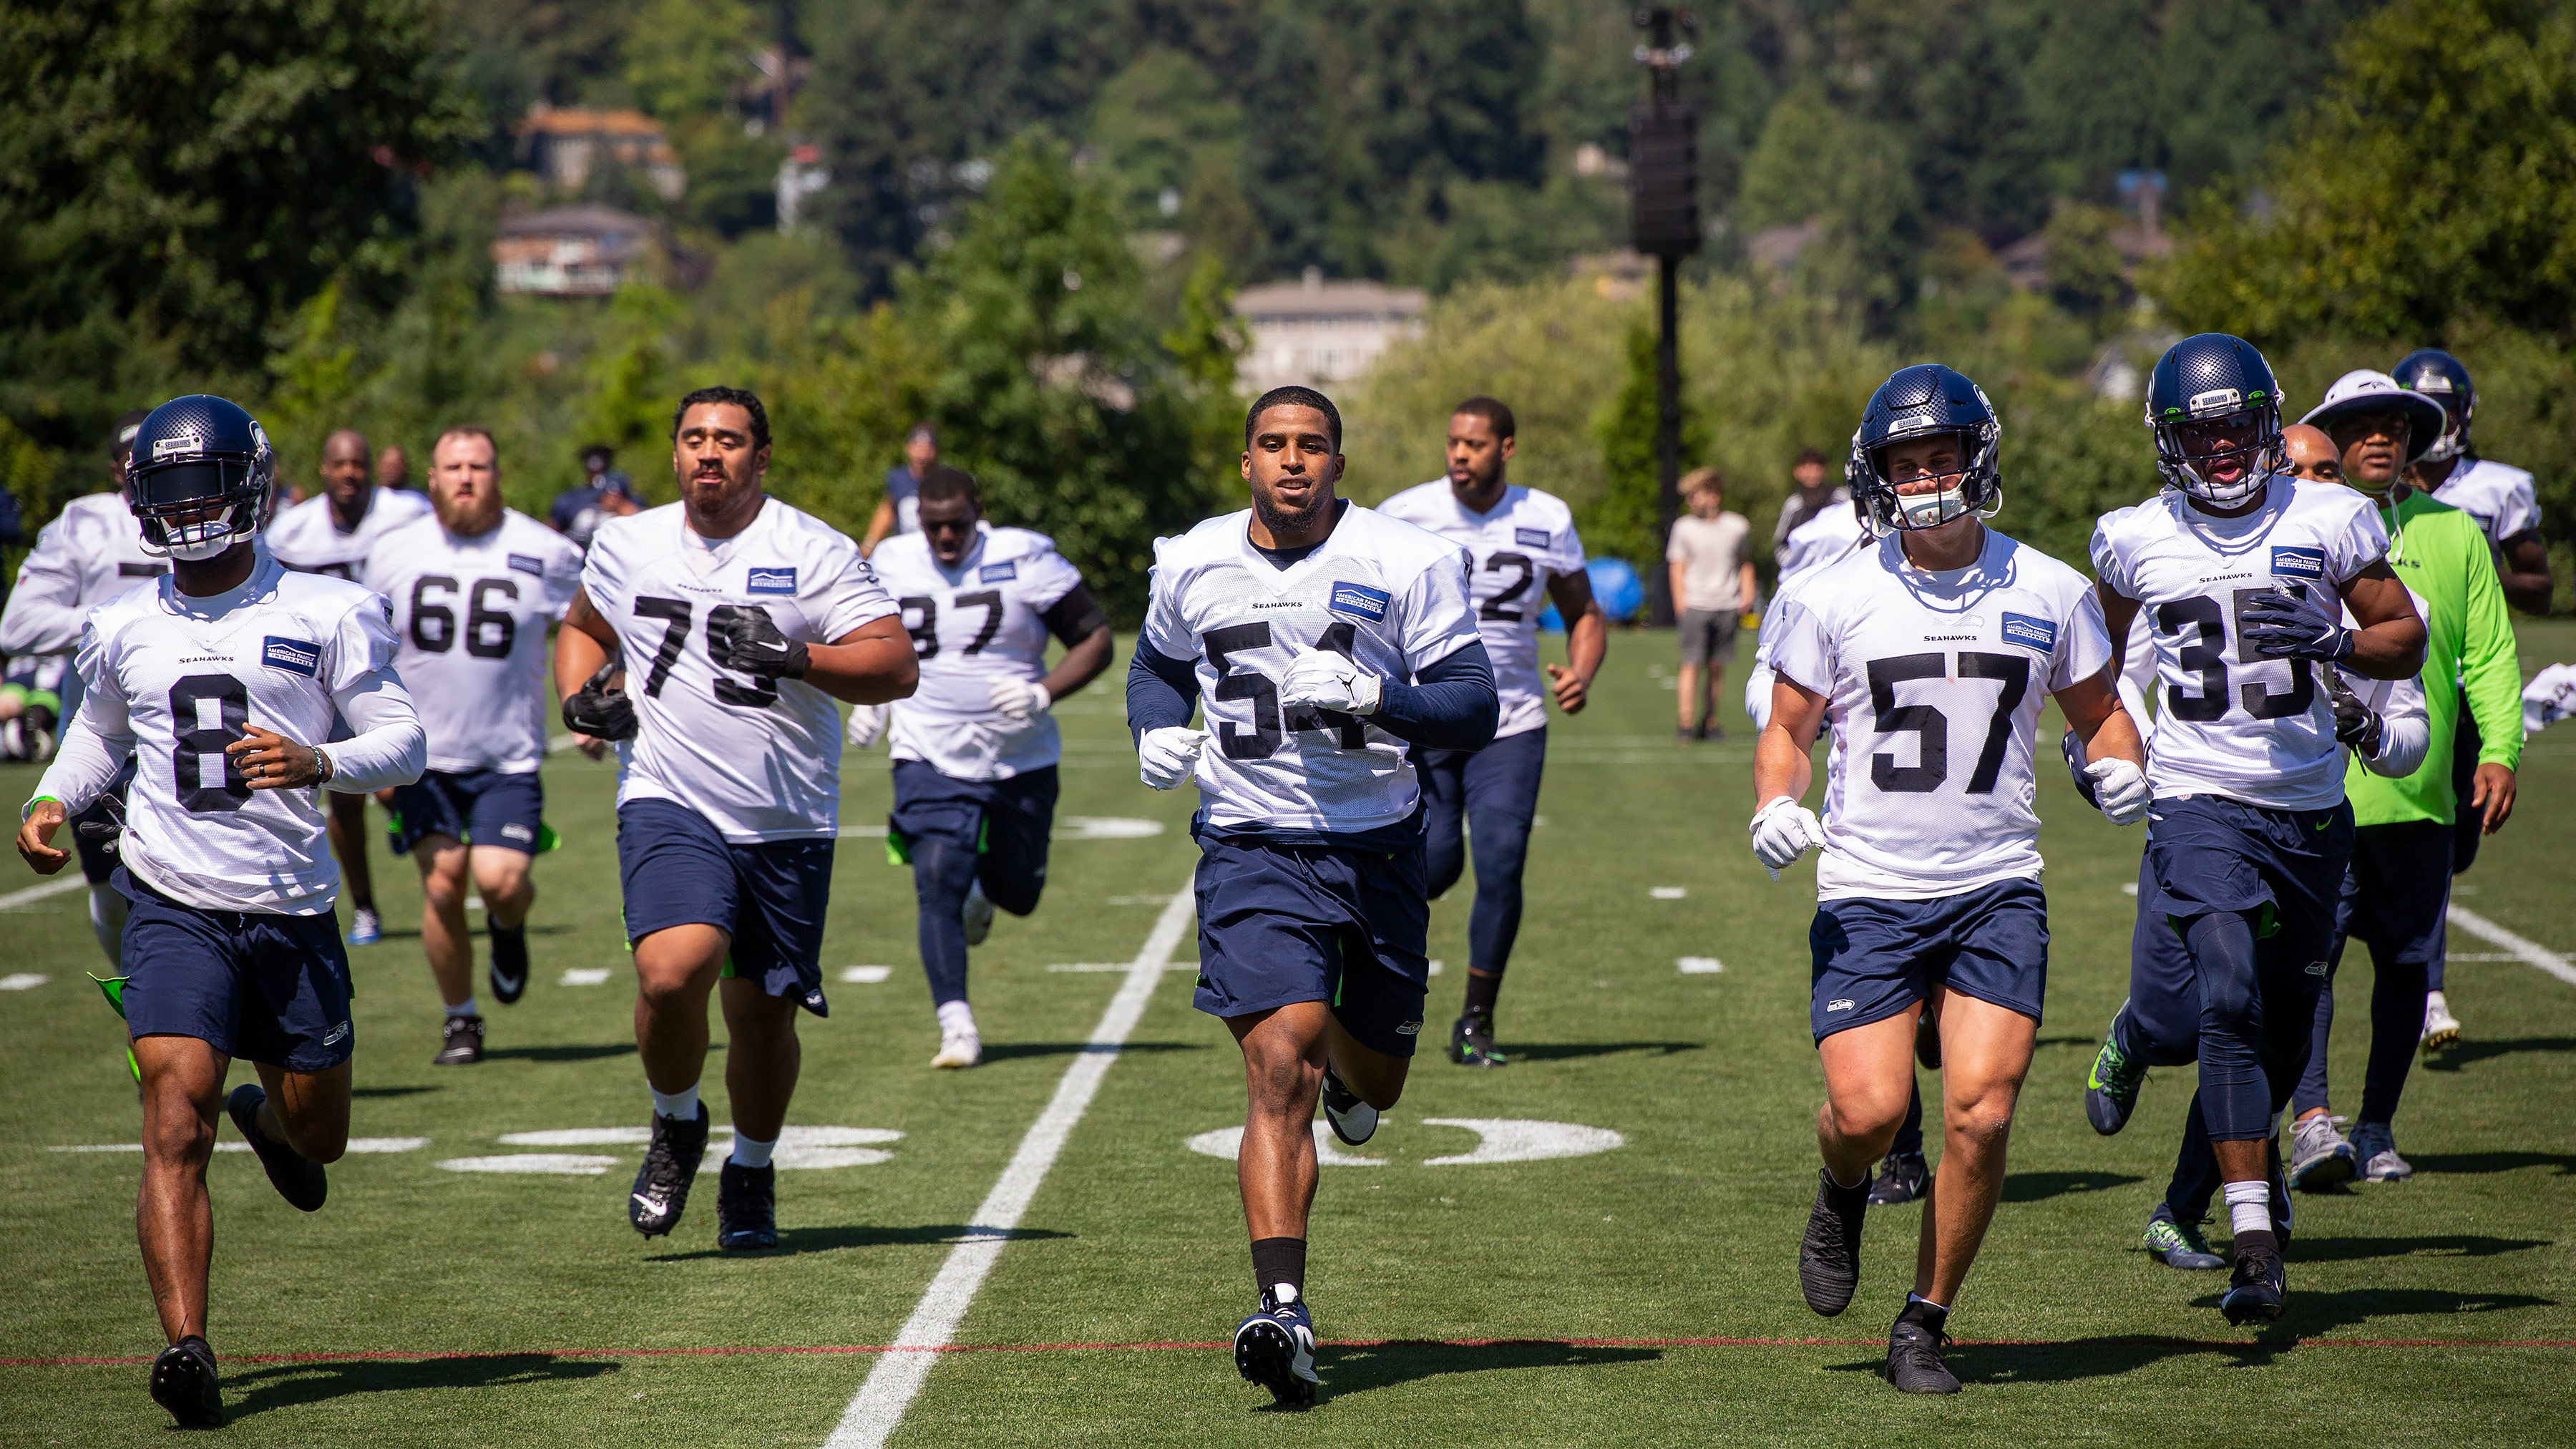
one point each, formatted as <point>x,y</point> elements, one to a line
<point>1809,455</point>
<point>1491,410</point>
<point>1295,397</point>
<point>942,483</point>
<point>121,442</point>
<point>607,454</point>
<point>742,398</point>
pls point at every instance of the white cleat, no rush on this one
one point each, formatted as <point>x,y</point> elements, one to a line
<point>2441,1028</point>
<point>958,1050</point>
<point>976,915</point>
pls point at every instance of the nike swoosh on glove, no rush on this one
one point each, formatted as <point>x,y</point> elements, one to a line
<point>599,711</point>
<point>1326,680</point>
<point>1021,698</point>
<point>748,640</point>
<point>2119,790</point>
<point>868,724</point>
<point>1166,757</point>
<point>1784,830</point>
<point>2356,723</point>
<point>2305,625</point>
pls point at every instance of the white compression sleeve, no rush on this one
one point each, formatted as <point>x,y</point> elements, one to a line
<point>93,749</point>
<point>390,747</point>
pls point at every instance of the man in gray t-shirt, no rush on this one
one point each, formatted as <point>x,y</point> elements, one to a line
<point>1712,576</point>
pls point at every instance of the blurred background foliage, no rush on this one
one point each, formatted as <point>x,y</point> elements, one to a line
<point>1037,213</point>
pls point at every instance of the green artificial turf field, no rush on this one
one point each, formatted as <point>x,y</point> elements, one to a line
<point>1642,1293</point>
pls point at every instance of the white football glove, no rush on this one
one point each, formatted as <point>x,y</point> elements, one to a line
<point>1784,830</point>
<point>1021,698</point>
<point>867,724</point>
<point>2119,789</point>
<point>1168,756</point>
<point>1326,680</point>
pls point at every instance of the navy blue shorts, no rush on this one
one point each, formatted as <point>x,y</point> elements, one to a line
<point>261,987</point>
<point>98,860</point>
<point>770,897</point>
<point>1005,824</point>
<point>2283,867</point>
<point>1280,924</point>
<point>1875,959</point>
<point>475,807</point>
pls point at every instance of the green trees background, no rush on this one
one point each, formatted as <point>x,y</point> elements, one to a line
<point>1037,212</point>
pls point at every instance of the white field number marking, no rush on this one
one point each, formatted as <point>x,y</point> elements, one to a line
<point>1227,1142</point>
<point>1498,1139</point>
<point>586,976</point>
<point>1700,965</point>
<point>47,891</point>
<point>805,1148</point>
<point>866,975</point>
<point>1669,893</point>
<point>22,981</point>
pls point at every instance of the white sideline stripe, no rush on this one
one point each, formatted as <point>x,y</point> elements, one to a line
<point>897,1377</point>
<point>47,891</point>
<point>2523,950</point>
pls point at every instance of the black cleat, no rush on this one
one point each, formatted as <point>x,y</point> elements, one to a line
<point>1903,1177</point>
<point>2258,1290</point>
<point>298,1178</point>
<point>463,1043</point>
<point>1914,1359</point>
<point>1829,1257</point>
<point>1471,1043</point>
<point>183,1381</point>
<point>508,971</point>
<point>746,1208</point>
<point>1275,1348</point>
<point>1353,1120</point>
<point>662,1184</point>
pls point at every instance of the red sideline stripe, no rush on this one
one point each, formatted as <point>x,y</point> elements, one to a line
<point>395,1355</point>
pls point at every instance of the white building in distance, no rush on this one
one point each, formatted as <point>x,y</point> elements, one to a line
<point>1312,332</point>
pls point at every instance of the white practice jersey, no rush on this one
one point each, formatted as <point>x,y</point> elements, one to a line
<point>1934,684</point>
<point>2227,723</point>
<point>760,759</point>
<point>1512,552</point>
<point>973,625</point>
<point>307,538</point>
<point>472,615</point>
<point>2501,499</point>
<point>1390,596</point>
<point>87,556</point>
<point>185,676</point>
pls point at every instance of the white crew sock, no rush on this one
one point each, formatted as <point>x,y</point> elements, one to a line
<point>2249,1207</point>
<point>956,1017</point>
<point>107,922</point>
<point>462,1008</point>
<point>679,1106</point>
<point>748,1153</point>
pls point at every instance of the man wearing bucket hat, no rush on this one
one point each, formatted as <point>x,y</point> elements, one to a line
<point>2397,890</point>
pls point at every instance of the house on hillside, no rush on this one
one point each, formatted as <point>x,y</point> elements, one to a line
<point>1314,332</point>
<point>572,251</point>
<point>565,144</point>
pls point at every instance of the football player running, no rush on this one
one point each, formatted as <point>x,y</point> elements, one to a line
<point>1326,642</point>
<point>1932,653</point>
<point>335,532</point>
<point>2245,573</point>
<point>974,748</point>
<point>474,587</point>
<point>90,554</point>
<point>738,621</point>
<point>1518,541</point>
<point>213,677</point>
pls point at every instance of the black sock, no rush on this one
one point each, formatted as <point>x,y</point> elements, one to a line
<point>1279,1260</point>
<point>2260,1241</point>
<point>1922,1310</point>
<point>1481,991</point>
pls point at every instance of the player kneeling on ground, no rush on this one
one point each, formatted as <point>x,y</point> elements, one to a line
<point>1326,641</point>
<point>974,748</point>
<point>211,676</point>
<point>474,589</point>
<point>739,620</point>
<point>1928,895</point>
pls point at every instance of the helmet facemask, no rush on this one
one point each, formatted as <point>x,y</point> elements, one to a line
<point>1970,486</point>
<point>2454,440</point>
<point>194,511</point>
<point>2221,432</point>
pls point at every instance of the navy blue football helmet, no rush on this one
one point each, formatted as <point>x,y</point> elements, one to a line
<point>1917,402</point>
<point>2214,407</point>
<point>199,477</point>
<point>2441,377</point>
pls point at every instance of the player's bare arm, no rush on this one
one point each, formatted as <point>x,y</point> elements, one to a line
<point>871,664</point>
<point>271,761</point>
<point>2390,644</point>
<point>2093,710</point>
<point>1081,664</point>
<point>1587,640</point>
<point>1780,757</point>
<point>36,834</point>
<point>2522,567</point>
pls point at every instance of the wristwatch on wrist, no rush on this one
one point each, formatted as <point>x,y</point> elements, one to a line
<point>322,767</point>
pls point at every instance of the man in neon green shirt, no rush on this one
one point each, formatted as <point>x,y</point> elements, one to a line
<point>2398,888</point>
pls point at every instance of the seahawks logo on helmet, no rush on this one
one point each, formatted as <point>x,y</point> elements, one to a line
<point>2215,412</point>
<point>1922,401</point>
<point>200,477</point>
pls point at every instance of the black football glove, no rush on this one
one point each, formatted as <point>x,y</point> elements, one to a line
<point>2356,723</point>
<point>2073,749</point>
<point>749,641</point>
<point>105,835</point>
<point>599,711</point>
<point>2304,625</point>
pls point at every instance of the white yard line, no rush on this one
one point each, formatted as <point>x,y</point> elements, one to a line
<point>897,1376</point>
<point>49,889</point>
<point>2524,950</point>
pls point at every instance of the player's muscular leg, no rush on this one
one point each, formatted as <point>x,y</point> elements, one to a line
<point>1985,1054</point>
<point>762,1057</point>
<point>183,1088</point>
<point>675,968</point>
<point>1283,1072</point>
<point>1869,1079</point>
<point>501,878</point>
<point>1377,1077</point>
<point>443,932</point>
<point>308,1111</point>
